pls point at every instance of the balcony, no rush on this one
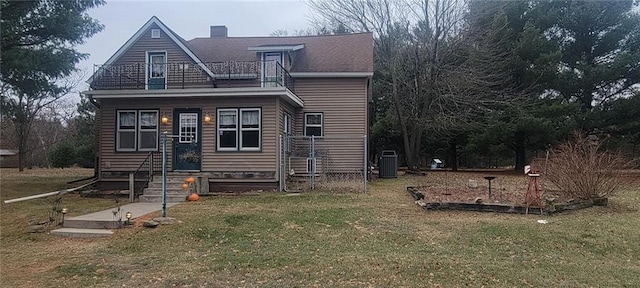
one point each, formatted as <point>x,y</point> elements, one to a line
<point>230,74</point>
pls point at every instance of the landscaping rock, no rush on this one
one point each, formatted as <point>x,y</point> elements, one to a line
<point>150,224</point>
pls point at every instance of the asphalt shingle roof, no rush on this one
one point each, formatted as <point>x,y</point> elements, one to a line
<point>326,53</point>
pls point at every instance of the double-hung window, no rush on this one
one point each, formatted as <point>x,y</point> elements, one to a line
<point>126,135</point>
<point>148,130</point>
<point>239,129</point>
<point>287,131</point>
<point>313,124</point>
<point>137,130</point>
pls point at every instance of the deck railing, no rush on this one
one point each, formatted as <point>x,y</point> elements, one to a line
<point>136,75</point>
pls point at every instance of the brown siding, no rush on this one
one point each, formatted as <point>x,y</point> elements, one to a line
<point>137,51</point>
<point>137,54</point>
<point>342,100</point>
<point>212,161</point>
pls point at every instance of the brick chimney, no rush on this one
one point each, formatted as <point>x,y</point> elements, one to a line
<point>219,31</point>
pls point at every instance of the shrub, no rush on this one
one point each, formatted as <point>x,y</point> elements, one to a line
<point>582,169</point>
<point>62,155</point>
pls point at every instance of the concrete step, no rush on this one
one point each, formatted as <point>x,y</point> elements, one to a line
<point>92,224</point>
<point>175,185</point>
<point>158,198</point>
<point>82,233</point>
<point>158,191</point>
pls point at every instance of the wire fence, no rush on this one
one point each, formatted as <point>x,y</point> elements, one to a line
<point>335,163</point>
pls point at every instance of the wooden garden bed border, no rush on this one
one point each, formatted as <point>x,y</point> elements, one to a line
<point>503,208</point>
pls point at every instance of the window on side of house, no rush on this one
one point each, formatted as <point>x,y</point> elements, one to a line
<point>287,130</point>
<point>313,124</point>
<point>126,130</point>
<point>148,130</point>
<point>250,129</point>
<point>227,129</point>
<point>137,130</point>
<point>239,129</point>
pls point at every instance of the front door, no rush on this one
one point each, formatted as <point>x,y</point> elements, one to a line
<point>187,145</point>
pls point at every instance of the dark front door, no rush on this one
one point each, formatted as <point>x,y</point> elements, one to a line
<point>187,145</point>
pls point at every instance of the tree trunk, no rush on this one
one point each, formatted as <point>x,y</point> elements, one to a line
<point>408,153</point>
<point>453,154</point>
<point>520,150</point>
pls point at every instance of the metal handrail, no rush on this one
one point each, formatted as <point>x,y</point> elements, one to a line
<point>150,165</point>
<point>135,75</point>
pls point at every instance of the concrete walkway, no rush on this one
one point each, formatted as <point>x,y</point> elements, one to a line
<point>136,209</point>
<point>98,224</point>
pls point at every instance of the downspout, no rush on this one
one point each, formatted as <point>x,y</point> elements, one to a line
<point>96,165</point>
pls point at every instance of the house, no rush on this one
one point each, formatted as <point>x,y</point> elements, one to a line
<point>226,104</point>
<point>8,158</point>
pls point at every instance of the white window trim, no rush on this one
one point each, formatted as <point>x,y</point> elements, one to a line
<point>118,130</point>
<point>180,134</point>
<point>287,131</point>
<point>238,129</point>
<point>226,129</point>
<point>321,125</point>
<point>264,64</point>
<point>148,63</point>
<point>259,129</point>
<point>155,33</point>
<point>140,130</point>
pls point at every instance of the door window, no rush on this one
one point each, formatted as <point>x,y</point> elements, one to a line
<point>188,127</point>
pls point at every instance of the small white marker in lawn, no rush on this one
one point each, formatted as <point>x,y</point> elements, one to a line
<point>543,221</point>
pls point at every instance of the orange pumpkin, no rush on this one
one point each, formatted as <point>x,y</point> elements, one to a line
<point>193,197</point>
<point>190,180</point>
<point>185,186</point>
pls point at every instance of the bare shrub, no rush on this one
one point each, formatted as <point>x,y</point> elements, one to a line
<point>582,169</point>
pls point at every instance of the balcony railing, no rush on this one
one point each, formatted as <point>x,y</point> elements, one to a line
<point>230,74</point>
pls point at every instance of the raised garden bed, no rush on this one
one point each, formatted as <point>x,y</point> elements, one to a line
<point>432,199</point>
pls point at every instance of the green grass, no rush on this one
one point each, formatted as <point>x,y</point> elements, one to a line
<point>379,239</point>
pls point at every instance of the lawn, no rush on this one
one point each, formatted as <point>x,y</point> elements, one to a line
<point>379,239</point>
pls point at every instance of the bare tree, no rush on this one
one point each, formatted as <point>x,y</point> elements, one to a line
<point>22,110</point>
<point>441,71</point>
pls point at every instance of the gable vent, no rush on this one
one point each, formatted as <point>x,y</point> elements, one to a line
<point>155,33</point>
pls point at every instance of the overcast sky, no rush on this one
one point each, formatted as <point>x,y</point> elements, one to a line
<point>189,19</point>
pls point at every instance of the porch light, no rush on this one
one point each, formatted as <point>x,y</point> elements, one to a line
<point>207,119</point>
<point>164,119</point>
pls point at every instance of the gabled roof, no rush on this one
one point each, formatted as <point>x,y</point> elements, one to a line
<point>172,35</point>
<point>326,53</point>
